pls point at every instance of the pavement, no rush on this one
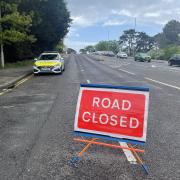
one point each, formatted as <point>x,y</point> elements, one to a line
<point>12,75</point>
<point>37,119</point>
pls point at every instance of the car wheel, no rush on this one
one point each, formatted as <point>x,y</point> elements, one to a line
<point>61,71</point>
<point>170,63</point>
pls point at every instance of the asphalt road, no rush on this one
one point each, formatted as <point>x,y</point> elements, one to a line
<point>36,123</point>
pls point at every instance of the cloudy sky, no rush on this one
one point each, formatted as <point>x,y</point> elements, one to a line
<point>95,20</point>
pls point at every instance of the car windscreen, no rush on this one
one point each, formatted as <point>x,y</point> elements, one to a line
<point>48,57</point>
<point>143,55</point>
<point>178,57</point>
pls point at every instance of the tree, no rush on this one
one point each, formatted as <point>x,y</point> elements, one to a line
<point>171,32</point>
<point>82,51</point>
<point>127,39</point>
<point>102,46</point>
<point>90,48</point>
<point>143,42</point>
<point>170,35</point>
<point>14,27</point>
<point>51,21</point>
<point>71,51</point>
<point>113,46</point>
<point>136,41</point>
<point>107,46</point>
<point>161,40</point>
<point>60,46</point>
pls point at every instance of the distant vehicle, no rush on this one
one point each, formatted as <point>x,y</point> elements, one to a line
<point>142,57</point>
<point>122,55</point>
<point>49,62</point>
<point>109,53</point>
<point>174,60</point>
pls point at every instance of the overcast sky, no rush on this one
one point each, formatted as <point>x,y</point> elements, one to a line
<point>93,20</point>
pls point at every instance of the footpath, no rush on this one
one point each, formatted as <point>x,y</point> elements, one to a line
<point>10,76</point>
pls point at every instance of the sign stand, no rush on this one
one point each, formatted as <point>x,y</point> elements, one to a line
<point>114,113</point>
<point>96,141</point>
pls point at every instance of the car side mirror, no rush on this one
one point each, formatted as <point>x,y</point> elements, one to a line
<point>35,59</point>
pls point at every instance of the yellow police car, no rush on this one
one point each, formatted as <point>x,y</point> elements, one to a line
<point>49,62</point>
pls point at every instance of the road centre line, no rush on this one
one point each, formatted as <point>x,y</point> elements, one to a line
<point>129,155</point>
<point>165,84</point>
<point>126,71</point>
<point>175,69</point>
<point>8,107</point>
<point>88,81</point>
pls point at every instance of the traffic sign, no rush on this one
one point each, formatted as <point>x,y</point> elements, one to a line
<point>113,111</point>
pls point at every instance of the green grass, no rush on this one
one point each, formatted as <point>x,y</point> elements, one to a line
<point>18,64</point>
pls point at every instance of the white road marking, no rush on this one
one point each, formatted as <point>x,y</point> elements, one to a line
<point>153,66</point>
<point>165,84</point>
<point>125,64</point>
<point>129,155</point>
<point>88,81</point>
<point>82,70</point>
<point>175,69</point>
<point>7,107</point>
<point>126,71</point>
<point>2,93</point>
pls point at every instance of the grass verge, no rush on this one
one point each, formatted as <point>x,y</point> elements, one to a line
<point>18,64</point>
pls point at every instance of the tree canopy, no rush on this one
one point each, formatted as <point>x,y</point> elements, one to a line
<point>29,27</point>
<point>136,41</point>
<point>107,46</point>
<point>170,34</point>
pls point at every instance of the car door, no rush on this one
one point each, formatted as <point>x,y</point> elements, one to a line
<point>178,60</point>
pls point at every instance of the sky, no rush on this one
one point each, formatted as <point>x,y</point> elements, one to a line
<point>96,20</point>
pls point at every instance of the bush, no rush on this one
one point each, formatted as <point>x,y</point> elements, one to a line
<point>157,54</point>
<point>164,54</point>
<point>170,51</point>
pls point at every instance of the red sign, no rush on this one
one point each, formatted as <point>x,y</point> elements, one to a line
<point>120,113</point>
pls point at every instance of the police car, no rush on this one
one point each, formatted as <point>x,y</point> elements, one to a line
<point>49,62</point>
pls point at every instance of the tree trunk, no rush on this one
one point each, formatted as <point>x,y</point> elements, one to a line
<point>1,42</point>
<point>2,56</point>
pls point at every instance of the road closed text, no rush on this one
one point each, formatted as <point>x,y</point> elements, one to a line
<point>117,113</point>
<point>112,120</point>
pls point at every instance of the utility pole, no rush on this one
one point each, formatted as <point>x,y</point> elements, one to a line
<point>135,24</point>
<point>108,40</point>
<point>134,36</point>
<point>1,41</point>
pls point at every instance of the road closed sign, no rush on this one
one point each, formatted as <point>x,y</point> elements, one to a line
<point>113,111</point>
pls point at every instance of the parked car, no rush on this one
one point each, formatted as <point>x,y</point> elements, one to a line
<point>174,60</point>
<point>122,55</point>
<point>108,53</point>
<point>49,62</point>
<point>142,57</point>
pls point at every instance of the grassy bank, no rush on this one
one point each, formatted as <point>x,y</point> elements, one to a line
<point>18,64</point>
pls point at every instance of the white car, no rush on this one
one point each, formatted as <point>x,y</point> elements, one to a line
<point>122,55</point>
